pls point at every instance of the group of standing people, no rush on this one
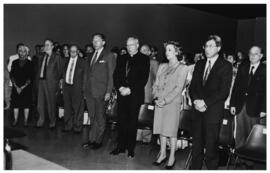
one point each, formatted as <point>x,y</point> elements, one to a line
<point>91,80</point>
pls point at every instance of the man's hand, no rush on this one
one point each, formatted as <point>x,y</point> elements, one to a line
<point>200,105</point>
<point>262,114</point>
<point>124,91</point>
<point>107,96</point>
<point>233,110</point>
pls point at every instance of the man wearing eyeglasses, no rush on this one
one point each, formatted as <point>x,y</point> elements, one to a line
<point>209,89</point>
<point>248,99</point>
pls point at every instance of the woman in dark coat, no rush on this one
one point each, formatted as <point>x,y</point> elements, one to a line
<point>21,77</point>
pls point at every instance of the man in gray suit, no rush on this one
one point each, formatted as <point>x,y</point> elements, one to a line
<point>98,85</point>
<point>50,72</point>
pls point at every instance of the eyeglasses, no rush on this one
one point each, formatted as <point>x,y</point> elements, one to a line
<point>209,46</point>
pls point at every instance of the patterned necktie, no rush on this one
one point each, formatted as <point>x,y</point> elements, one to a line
<point>250,75</point>
<point>208,69</point>
<point>70,70</point>
<point>94,59</point>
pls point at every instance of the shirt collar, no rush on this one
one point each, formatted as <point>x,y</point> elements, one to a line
<point>99,51</point>
<point>255,66</point>
<point>212,60</point>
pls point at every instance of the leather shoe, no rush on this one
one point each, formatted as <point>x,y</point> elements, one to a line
<point>65,130</point>
<point>131,154</point>
<point>96,146</point>
<point>88,144</point>
<point>117,151</point>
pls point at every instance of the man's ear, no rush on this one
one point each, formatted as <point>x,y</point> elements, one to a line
<point>219,48</point>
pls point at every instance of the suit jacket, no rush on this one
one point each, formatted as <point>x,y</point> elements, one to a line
<point>215,91</point>
<point>253,95</point>
<point>78,78</point>
<point>137,76</point>
<point>98,79</point>
<point>54,70</point>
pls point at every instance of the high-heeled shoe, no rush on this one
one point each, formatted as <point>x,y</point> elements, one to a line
<point>155,163</point>
<point>170,166</point>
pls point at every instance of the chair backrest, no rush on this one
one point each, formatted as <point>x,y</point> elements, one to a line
<point>146,115</point>
<point>226,131</point>
<point>256,140</point>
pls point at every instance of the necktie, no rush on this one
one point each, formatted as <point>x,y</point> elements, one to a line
<point>250,75</point>
<point>208,69</point>
<point>93,60</point>
<point>70,71</point>
<point>44,67</point>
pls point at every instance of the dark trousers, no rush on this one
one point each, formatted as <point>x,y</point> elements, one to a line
<point>205,136</point>
<point>128,112</point>
<point>74,108</point>
<point>46,103</point>
<point>97,117</point>
<point>244,125</point>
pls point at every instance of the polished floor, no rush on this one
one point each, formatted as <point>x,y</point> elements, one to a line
<point>65,149</point>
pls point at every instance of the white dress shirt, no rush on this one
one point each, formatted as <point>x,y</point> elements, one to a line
<point>255,67</point>
<point>74,61</point>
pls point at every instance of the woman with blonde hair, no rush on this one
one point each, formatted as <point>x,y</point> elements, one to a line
<point>167,89</point>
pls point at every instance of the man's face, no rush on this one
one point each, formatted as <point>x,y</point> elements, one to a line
<point>255,55</point>
<point>145,50</point>
<point>132,46</point>
<point>65,50</point>
<point>22,52</point>
<point>73,51</point>
<point>98,43</point>
<point>211,49</point>
<point>230,59</point>
<point>48,46</point>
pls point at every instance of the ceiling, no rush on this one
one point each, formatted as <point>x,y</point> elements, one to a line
<point>235,11</point>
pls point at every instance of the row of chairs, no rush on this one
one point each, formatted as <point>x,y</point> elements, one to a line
<point>254,149</point>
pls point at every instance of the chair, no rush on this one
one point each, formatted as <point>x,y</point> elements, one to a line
<point>146,121</point>
<point>226,138</point>
<point>254,148</point>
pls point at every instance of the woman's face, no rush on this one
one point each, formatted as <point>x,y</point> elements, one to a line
<point>170,52</point>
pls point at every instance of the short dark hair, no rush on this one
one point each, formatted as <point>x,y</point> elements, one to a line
<point>102,36</point>
<point>19,45</point>
<point>65,45</point>
<point>50,40</point>
<point>216,38</point>
<point>88,45</point>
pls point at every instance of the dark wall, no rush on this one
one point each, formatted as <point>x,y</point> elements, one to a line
<point>152,24</point>
<point>251,32</point>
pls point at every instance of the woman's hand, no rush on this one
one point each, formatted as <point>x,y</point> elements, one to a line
<point>160,103</point>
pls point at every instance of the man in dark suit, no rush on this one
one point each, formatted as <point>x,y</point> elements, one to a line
<point>73,91</point>
<point>248,100</point>
<point>50,72</point>
<point>209,89</point>
<point>98,86</point>
<point>130,77</point>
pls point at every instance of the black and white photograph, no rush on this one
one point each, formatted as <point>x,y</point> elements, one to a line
<point>134,86</point>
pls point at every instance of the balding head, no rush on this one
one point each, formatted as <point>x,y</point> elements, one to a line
<point>255,54</point>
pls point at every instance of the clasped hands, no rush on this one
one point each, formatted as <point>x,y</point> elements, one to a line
<point>124,91</point>
<point>200,105</point>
